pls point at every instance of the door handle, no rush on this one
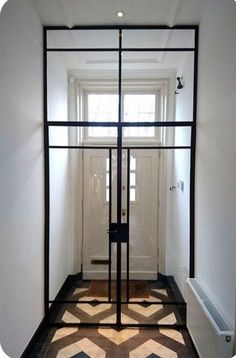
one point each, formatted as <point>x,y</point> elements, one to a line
<point>123,212</point>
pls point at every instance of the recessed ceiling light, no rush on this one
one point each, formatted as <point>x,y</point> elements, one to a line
<point>120,14</point>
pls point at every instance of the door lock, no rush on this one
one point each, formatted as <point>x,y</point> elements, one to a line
<point>112,231</point>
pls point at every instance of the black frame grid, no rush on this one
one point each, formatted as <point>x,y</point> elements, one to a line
<point>119,148</point>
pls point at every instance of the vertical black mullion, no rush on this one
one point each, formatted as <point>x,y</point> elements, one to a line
<point>192,163</point>
<point>128,213</point>
<point>119,187</point>
<point>110,218</point>
<point>46,181</point>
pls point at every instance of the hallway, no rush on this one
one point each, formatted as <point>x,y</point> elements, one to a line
<point>32,269</point>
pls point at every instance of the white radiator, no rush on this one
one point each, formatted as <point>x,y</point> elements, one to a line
<point>211,335</point>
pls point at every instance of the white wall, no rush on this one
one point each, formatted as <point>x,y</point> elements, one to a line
<point>215,157</point>
<point>177,245</point>
<point>21,176</point>
<point>61,179</point>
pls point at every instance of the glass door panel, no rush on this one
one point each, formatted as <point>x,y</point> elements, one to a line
<point>141,193</point>
<point>106,172</point>
<point>83,39</point>
<point>150,38</point>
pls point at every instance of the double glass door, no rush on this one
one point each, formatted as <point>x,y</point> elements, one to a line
<point>110,120</point>
<point>137,232</point>
<point>120,251</point>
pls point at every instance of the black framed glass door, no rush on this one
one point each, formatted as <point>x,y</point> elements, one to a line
<point>120,121</point>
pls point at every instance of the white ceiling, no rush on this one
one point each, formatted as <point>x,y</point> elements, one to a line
<point>103,12</point>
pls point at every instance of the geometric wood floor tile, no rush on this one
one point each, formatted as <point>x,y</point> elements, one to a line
<point>162,291</point>
<point>84,345</point>
<point>170,319</point>
<point>145,311</point>
<point>124,319</point>
<point>79,290</point>
<point>63,332</point>
<point>111,343</point>
<point>151,347</point>
<point>130,342</point>
<point>68,351</point>
<point>172,333</point>
<point>146,299</point>
<point>115,336</point>
<point>92,310</point>
<point>142,309</point>
<point>118,337</point>
<point>70,318</point>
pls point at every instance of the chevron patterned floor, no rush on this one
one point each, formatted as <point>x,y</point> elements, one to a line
<point>108,342</point>
<point>111,343</point>
<point>143,310</point>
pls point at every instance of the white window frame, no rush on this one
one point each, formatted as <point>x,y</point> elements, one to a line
<point>157,87</point>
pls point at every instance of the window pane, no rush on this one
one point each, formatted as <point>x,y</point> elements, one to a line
<point>153,38</point>
<point>132,163</point>
<point>132,194</point>
<point>132,179</point>
<point>83,38</point>
<point>139,108</point>
<point>107,179</point>
<point>139,132</point>
<point>102,108</point>
<point>102,132</point>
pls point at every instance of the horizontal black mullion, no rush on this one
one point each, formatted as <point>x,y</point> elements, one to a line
<point>176,303</point>
<point>82,27</point>
<point>118,27</point>
<point>81,147</point>
<point>158,49</point>
<point>58,301</point>
<point>126,49</point>
<point>156,124</point>
<point>122,325</point>
<point>81,324</point>
<point>153,325</point>
<point>159,27</point>
<point>69,49</point>
<point>119,124</point>
<point>113,147</point>
<point>158,147</point>
<point>168,303</point>
<point>81,124</point>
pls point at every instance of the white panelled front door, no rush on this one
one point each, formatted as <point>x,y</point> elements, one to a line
<point>143,223</point>
<point>143,214</point>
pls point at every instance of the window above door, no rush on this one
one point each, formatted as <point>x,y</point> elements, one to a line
<point>140,102</point>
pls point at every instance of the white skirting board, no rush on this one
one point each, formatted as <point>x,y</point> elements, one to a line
<point>212,336</point>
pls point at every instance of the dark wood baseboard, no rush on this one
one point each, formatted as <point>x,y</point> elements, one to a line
<point>36,339</point>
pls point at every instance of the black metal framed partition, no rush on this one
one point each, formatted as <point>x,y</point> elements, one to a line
<point>118,231</point>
